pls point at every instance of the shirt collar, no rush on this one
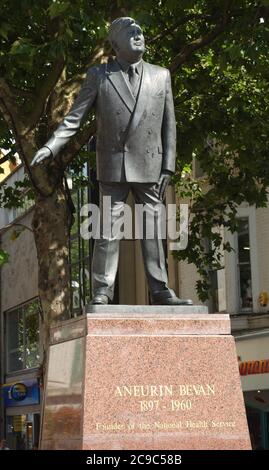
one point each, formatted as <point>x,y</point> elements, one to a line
<point>125,65</point>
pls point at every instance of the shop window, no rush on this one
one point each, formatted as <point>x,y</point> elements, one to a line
<point>22,431</point>
<point>258,423</point>
<point>22,336</point>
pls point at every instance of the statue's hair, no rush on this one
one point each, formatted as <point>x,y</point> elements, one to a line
<point>117,25</point>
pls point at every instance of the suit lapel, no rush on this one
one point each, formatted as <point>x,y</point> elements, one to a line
<point>118,81</point>
<point>142,98</point>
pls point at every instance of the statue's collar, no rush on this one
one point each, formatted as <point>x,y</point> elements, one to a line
<point>125,65</point>
<point>114,66</point>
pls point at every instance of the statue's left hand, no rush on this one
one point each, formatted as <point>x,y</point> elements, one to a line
<point>41,155</point>
<point>163,183</point>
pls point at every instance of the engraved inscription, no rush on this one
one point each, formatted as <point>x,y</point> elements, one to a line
<point>153,394</point>
<point>164,390</point>
<point>158,425</point>
<point>154,399</point>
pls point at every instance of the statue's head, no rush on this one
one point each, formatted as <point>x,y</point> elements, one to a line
<point>126,38</point>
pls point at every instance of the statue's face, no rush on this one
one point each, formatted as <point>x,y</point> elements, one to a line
<point>130,42</point>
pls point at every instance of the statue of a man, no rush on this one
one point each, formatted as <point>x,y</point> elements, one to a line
<point>135,150</point>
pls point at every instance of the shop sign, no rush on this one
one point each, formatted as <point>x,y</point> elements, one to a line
<point>18,423</point>
<point>18,391</point>
<point>25,392</point>
<point>254,367</point>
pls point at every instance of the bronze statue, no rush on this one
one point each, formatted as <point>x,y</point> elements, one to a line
<point>135,150</point>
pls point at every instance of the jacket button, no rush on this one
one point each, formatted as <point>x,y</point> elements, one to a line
<point>118,111</point>
<point>153,114</point>
<point>147,150</point>
<point>149,131</point>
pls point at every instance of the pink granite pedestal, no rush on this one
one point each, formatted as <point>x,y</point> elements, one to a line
<point>139,377</point>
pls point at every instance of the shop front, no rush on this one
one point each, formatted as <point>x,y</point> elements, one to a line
<point>22,413</point>
<point>253,357</point>
<point>21,361</point>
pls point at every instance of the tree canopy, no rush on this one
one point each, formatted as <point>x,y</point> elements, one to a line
<point>217,52</point>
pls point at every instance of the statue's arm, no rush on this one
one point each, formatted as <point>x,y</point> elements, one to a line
<point>168,139</point>
<point>169,129</point>
<point>72,121</point>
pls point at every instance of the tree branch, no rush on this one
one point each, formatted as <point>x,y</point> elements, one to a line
<point>8,156</point>
<point>5,158</point>
<point>8,105</point>
<point>13,224</point>
<point>198,43</point>
<point>22,93</point>
<point>172,29</point>
<point>65,157</point>
<point>21,145</point>
<point>43,94</point>
<point>100,55</point>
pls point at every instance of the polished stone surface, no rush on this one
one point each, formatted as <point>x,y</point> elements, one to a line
<point>146,309</point>
<point>69,329</point>
<point>153,381</point>
<point>63,410</point>
<point>156,325</point>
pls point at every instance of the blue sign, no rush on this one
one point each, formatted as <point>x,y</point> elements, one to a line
<point>18,391</point>
<point>24,392</point>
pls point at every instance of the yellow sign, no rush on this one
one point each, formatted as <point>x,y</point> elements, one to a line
<point>18,422</point>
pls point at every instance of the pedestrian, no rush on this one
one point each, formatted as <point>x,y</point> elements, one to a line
<point>3,445</point>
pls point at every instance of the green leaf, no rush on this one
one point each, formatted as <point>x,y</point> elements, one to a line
<point>4,30</point>
<point>3,257</point>
<point>21,46</point>
<point>57,8</point>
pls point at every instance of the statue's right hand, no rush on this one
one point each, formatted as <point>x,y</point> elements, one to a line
<point>43,154</point>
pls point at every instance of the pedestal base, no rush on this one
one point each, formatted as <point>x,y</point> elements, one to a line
<point>144,377</point>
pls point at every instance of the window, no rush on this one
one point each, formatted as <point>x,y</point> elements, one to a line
<point>22,431</point>
<point>258,423</point>
<point>22,328</point>
<point>241,264</point>
<point>244,265</point>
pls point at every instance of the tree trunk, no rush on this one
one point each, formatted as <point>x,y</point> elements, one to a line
<point>50,225</point>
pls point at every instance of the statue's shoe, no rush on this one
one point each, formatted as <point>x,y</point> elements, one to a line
<point>100,299</point>
<point>172,301</point>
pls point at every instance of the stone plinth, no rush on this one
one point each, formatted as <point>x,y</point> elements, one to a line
<point>144,377</point>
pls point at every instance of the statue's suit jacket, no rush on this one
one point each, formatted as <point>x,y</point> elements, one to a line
<point>136,138</point>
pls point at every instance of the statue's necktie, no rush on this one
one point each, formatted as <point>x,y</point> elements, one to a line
<point>133,79</point>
